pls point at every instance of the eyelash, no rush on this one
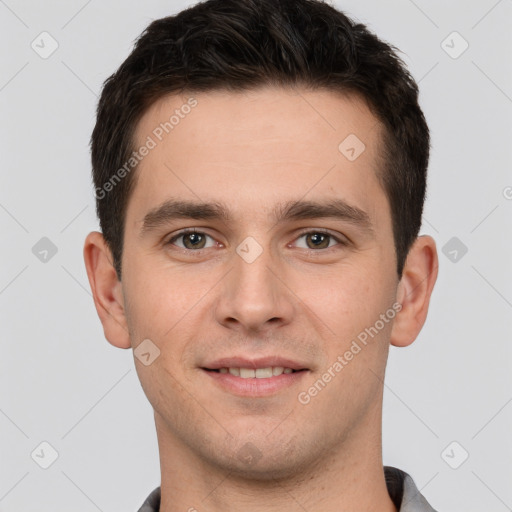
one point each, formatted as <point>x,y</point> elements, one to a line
<point>188,231</point>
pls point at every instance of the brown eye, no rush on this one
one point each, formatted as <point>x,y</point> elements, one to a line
<point>193,240</point>
<point>319,240</point>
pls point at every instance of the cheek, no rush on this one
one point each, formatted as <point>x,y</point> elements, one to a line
<point>159,298</point>
<point>347,299</point>
<point>159,310</point>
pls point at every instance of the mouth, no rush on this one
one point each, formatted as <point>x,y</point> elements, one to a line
<point>255,373</point>
<point>254,378</point>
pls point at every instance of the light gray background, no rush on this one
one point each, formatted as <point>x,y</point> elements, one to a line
<point>61,382</point>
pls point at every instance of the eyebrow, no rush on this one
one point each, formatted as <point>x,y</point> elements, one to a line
<point>173,209</point>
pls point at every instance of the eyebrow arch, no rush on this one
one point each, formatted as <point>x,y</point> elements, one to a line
<point>173,209</point>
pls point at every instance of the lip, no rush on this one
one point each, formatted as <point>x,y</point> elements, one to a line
<point>261,362</point>
<point>254,387</point>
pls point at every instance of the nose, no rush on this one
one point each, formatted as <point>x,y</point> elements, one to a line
<point>253,296</point>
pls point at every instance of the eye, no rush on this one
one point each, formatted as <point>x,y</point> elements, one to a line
<point>192,239</point>
<point>320,240</point>
<point>196,240</point>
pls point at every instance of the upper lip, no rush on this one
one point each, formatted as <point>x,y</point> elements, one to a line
<point>261,362</point>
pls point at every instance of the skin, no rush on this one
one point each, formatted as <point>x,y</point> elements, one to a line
<point>251,151</point>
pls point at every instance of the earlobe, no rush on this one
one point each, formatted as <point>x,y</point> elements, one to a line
<point>106,290</point>
<point>414,291</point>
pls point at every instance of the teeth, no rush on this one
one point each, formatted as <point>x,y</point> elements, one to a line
<point>259,373</point>
<point>264,373</point>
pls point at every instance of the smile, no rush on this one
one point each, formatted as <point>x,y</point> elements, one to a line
<point>250,382</point>
<point>258,373</point>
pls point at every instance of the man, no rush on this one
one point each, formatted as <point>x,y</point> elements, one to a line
<point>260,171</point>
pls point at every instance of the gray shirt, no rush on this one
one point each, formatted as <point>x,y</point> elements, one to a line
<point>401,489</point>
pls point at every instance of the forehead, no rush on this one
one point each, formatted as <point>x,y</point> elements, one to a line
<point>256,148</point>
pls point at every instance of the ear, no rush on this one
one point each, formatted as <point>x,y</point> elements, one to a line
<point>414,291</point>
<point>106,290</point>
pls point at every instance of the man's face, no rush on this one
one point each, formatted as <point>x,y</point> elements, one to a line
<point>261,284</point>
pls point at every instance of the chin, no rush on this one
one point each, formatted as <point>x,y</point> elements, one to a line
<point>274,462</point>
<point>263,471</point>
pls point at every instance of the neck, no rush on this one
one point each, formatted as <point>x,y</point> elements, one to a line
<point>346,479</point>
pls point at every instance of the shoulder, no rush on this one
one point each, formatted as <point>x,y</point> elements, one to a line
<point>152,502</point>
<point>404,492</point>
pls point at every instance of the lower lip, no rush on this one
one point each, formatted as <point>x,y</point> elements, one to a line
<point>255,387</point>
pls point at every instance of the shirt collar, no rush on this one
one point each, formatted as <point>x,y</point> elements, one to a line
<point>403,491</point>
